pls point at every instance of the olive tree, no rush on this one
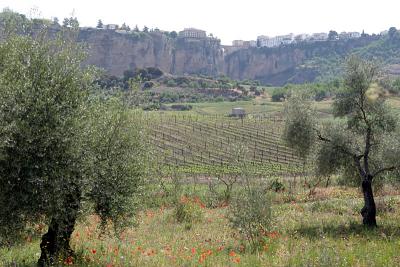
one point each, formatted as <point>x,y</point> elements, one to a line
<point>362,139</point>
<point>60,148</point>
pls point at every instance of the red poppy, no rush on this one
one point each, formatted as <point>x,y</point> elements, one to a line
<point>69,260</point>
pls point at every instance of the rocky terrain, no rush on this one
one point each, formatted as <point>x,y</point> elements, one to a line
<point>117,52</point>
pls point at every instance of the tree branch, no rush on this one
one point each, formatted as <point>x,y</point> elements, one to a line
<point>341,148</point>
<point>391,168</point>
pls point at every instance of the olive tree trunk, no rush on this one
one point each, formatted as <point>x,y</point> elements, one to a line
<point>55,245</point>
<point>368,212</point>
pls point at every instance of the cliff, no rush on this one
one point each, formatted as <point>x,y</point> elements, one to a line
<point>117,52</point>
<point>292,63</point>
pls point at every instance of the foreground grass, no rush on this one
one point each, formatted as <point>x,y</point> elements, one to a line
<point>323,230</point>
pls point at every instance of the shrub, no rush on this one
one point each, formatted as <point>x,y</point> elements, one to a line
<point>250,214</point>
<point>147,85</point>
<point>277,186</point>
<point>189,210</point>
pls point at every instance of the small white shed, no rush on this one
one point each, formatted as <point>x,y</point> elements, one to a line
<point>238,112</point>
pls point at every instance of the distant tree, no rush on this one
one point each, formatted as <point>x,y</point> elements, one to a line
<point>125,27</point>
<point>56,21</point>
<point>363,34</point>
<point>99,24</point>
<point>333,35</point>
<point>128,74</point>
<point>392,33</point>
<point>136,29</point>
<point>71,22</point>
<point>145,29</point>
<point>364,142</point>
<point>65,22</point>
<point>173,34</point>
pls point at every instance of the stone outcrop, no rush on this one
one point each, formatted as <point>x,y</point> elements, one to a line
<point>117,52</point>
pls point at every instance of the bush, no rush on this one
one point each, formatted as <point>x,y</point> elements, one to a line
<point>171,83</point>
<point>276,186</point>
<point>180,107</point>
<point>188,211</point>
<point>147,85</point>
<point>250,214</point>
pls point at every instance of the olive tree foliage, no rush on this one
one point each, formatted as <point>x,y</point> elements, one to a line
<point>117,160</point>
<point>298,132</point>
<point>362,139</point>
<point>59,147</point>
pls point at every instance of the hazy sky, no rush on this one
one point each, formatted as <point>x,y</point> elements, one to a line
<point>228,20</point>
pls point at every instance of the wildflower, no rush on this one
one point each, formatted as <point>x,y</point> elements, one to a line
<point>151,252</point>
<point>220,248</point>
<point>273,235</point>
<point>236,260</point>
<point>93,251</point>
<point>232,253</point>
<point>193,251</point>
<point>69,261</point>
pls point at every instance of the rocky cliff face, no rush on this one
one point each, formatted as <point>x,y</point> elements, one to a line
<point>284,64</point>
<point>118,52</point>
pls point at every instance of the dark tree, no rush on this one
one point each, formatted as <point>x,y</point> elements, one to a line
<point>333,35</point>
<point>173,34</point>
<point>99,24</point>
<point>393,34</point>
<point>364,140</point>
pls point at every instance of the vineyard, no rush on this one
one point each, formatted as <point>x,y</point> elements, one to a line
<point>204,144</point>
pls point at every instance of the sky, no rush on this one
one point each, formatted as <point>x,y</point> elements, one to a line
<point>227,20</point>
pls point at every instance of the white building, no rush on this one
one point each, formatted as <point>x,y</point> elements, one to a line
<point>245,44</point>
<point>265,41</point>
<point>111,27</point>
<point>322,36</point>
<point>238,43</point>
<point>193,33</point>
<point>355,34</point>
<point>302,37</point>
<point>238,112</point>
<point>349,35</point>
<point>286,39</point>
<point>252,43</point>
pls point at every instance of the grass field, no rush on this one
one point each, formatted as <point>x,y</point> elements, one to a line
<point>311,225</point>
<point>323,229</point>
<point>261,106</point>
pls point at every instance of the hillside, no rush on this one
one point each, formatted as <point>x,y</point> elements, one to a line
<point>119,50</point>
<point>299,63</point>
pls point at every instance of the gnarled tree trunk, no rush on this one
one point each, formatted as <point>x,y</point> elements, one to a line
<point>368,212</point>
<point>55,247</point>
